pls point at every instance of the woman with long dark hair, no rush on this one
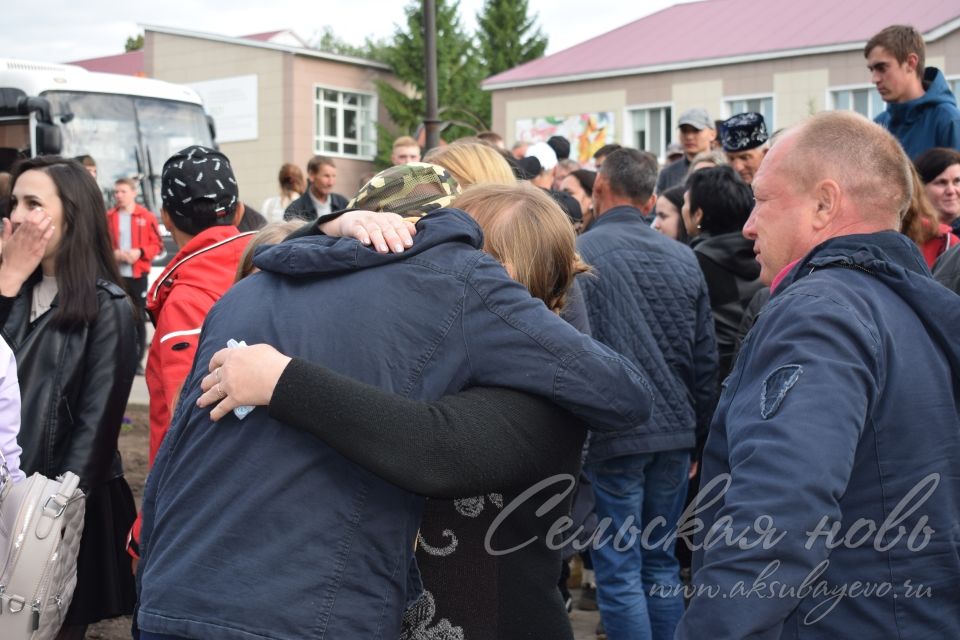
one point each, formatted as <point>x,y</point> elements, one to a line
<point>72,330</point>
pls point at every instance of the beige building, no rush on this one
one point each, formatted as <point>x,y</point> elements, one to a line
<point>274,101</point>
<point>784,59</point>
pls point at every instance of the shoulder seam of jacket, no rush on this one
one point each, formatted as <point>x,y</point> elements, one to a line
<point>197,253</point>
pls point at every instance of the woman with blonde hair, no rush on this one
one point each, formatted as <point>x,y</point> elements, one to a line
<point>518,225</point>
<point>509,450</point>
<point>292,186</point>
<point>472,162</point>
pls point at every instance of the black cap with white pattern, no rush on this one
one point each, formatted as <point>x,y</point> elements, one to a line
<point>198,174</point>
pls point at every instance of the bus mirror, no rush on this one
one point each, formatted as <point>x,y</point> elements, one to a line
<point>10,100</point>
<point>49,139</point>
<point>40,106</point>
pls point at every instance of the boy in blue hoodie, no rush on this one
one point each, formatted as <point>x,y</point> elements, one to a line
<point>921,111</point>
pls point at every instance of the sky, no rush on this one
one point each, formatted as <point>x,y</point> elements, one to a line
<point>76,30</point>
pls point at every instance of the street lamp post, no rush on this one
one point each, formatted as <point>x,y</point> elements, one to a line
<point>431,121</point>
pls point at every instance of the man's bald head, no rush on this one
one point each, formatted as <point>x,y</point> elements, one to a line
<point>866,162</point>
<point>835,174</point>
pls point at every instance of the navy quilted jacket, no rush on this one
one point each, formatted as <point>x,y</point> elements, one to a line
<point>647,300</point>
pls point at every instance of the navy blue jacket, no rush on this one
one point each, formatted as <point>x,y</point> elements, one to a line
<point>932,120</point>
<point>647,299</point>
<point>256,530</point>
<point>844,399</point>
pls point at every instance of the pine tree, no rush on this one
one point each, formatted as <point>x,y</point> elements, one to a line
<point>462,102</point>
<point>507,35</point>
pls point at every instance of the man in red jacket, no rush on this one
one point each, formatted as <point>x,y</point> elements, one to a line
<point>201,208</point>
<point>136,242</point>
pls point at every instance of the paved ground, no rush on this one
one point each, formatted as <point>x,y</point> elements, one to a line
<point>584,622</point>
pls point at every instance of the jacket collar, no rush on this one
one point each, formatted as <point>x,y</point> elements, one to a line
<point>936,91</point>
<point>878,253</point>
<point>316,254</point>
<point>205,241</point>
<point>622,213</point>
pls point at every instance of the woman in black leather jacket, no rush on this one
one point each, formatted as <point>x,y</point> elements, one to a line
<point>72,329</point>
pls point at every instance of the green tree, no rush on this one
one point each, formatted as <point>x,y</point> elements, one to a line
<point>507,35</point>
<point>371,49</point>
<point>459,72</point>
<point>134,43</point>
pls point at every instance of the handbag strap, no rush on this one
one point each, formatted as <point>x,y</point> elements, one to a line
<point>56,504</point>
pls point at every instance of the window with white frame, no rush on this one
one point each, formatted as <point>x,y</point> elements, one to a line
<point>758,104</point>
<point>864,100</point>
<point>345,123</point>
<point>651,129</point>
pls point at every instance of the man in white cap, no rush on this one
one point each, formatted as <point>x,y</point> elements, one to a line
<point>548,162</point>
<point>696,135</point>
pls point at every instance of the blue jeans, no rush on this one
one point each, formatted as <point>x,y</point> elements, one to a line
<point>638,584</point>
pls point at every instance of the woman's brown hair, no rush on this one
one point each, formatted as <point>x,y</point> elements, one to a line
<point>921,222</point>
<point>270,234</point>
<point>291,180</point>
<point>527,231</point>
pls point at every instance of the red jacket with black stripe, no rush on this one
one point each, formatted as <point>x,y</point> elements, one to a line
<point>144,235</point>
<point>178,302</point>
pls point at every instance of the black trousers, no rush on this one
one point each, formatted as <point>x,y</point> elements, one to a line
<point>137,288</point>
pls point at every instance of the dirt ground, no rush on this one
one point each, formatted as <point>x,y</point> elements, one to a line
<point>134,446</point>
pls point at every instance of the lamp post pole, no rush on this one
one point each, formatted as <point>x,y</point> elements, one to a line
<point>431,121</point>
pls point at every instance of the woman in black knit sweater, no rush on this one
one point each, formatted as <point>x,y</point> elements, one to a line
<point>489,562</point>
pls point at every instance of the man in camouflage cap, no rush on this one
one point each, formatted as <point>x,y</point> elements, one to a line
<point>411,190</point>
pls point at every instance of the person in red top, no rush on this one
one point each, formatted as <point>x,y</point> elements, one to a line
<point>922,224</point>
<point>201,208</point>
<point>136,242</point>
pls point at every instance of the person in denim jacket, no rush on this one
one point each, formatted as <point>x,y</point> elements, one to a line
<point>255,531</point>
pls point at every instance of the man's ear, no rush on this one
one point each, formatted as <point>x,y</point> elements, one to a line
<point>599,186</point>
<point>648,206</point>
<point>165,219</point>
<point>912,61</point>
<point>828,195</point>
<point>238,214</point>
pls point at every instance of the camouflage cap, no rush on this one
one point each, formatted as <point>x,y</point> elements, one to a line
<point>411,190</point>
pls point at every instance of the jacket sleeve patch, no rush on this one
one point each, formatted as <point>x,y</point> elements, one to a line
<point>775,388</point>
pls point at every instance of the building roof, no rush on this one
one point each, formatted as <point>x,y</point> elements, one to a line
<point>284,36</point>
<point>128,64</point>
<point>715,32</point>
<point>131,63</point>
<point>275,45</point>
<point>263,37</point>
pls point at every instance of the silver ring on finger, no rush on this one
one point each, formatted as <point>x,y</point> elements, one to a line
<point>220,391</point>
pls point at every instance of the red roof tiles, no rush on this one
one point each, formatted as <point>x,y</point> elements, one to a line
<point>711,29</point>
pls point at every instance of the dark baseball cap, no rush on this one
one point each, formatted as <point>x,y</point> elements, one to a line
<point>199,174</point>
<point>561,146</point>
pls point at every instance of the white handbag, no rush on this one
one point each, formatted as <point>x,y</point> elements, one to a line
<point>41,521</point>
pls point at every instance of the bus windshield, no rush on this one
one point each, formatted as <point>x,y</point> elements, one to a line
<point>128,137</point>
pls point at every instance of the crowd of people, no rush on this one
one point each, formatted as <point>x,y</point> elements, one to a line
<point>730,385</point>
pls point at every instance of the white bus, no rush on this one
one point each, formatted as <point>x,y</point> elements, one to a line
<point>129,125</point>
